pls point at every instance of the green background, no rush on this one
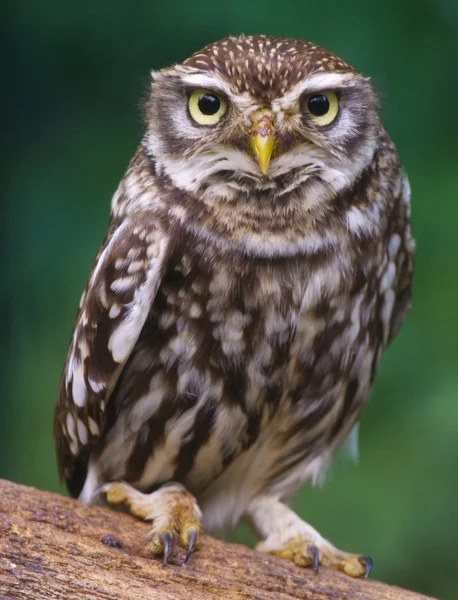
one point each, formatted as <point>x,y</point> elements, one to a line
<point>73,77</point>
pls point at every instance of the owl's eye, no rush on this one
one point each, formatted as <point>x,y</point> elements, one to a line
<point>322,107</point>
<point>205,107</point>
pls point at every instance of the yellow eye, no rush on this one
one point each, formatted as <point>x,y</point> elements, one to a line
<point>205,107</point>
<point>322,107</point>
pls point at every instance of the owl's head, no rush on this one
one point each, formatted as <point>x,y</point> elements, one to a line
<point>261,115</point>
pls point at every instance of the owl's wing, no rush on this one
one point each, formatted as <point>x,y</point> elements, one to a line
<point>402,246</point>
<point>122,286</point>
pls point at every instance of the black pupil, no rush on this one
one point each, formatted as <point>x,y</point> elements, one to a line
<point>318,105</point>
<point>208,104</point>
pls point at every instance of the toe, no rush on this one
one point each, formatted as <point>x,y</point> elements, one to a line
<point>119,492</point>
<point>303,553</point>
<point>308,556</point>
<point>356,566</point>
<point>193,535</point>
<point>116,493</point>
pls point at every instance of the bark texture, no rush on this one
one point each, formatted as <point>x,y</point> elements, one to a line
<point>53,547</point>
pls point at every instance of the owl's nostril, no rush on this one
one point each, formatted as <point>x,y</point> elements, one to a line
<point>262,117</point>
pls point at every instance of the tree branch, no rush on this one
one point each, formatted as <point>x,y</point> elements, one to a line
<point>53,547</point>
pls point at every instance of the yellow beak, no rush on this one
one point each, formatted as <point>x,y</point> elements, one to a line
<point>262,140</point>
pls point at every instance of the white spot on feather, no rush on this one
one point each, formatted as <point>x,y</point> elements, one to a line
<point>135,266</point>
<point>79,391</point>
<point>195,311</point>
<point>393,246</point>
<point>82,431</point>
<point>114,310</point>
<point>96,386</point>
<point>388,278</point>
<point>93,427</point>
<point>122,284</point>
<point>71,429</point>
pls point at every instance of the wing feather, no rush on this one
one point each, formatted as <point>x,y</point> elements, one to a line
<point>403,250</point>
<point>121,289</point>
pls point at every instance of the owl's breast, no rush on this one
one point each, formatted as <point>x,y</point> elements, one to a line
<point>231,350</point>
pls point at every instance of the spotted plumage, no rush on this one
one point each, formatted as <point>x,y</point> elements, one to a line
<point>257,264</point>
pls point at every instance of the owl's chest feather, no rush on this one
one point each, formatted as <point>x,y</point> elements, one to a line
<point>243,335</point>
<point>228,346</point>
<point>221,318</point>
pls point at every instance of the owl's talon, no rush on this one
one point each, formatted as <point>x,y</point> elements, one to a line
<point>167,541</point>
<point>316,559</point>
<point>191,545</point>
<point>368,563</point>
<point>172,510</point>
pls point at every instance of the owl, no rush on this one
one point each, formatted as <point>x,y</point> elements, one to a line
<point>257,264</point>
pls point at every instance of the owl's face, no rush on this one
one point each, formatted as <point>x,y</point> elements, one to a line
<point>257,113</point>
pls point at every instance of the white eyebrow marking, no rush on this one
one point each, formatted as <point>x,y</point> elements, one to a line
<point>324,80</point>
<point>213,81</point>
<point>318,81</point>
<point>205,81</point>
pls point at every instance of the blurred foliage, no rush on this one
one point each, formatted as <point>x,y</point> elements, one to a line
<point>74,75</point>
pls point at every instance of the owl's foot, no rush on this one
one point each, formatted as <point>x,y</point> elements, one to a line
<point>172,509</point>
<point>285,534</point>
<point>309,551</point>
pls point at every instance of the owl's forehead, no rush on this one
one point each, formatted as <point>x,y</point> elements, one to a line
<point>265,66</point>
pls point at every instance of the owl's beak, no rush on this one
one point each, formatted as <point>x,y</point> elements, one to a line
<point>262,140</point>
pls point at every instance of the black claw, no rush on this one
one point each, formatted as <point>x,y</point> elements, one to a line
<point>167,541</point>
<point>316,559</point>
<point>191,545</point>
<point>368,564</point>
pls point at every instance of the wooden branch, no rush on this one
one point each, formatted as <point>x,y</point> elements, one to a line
<point>52,547</point>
